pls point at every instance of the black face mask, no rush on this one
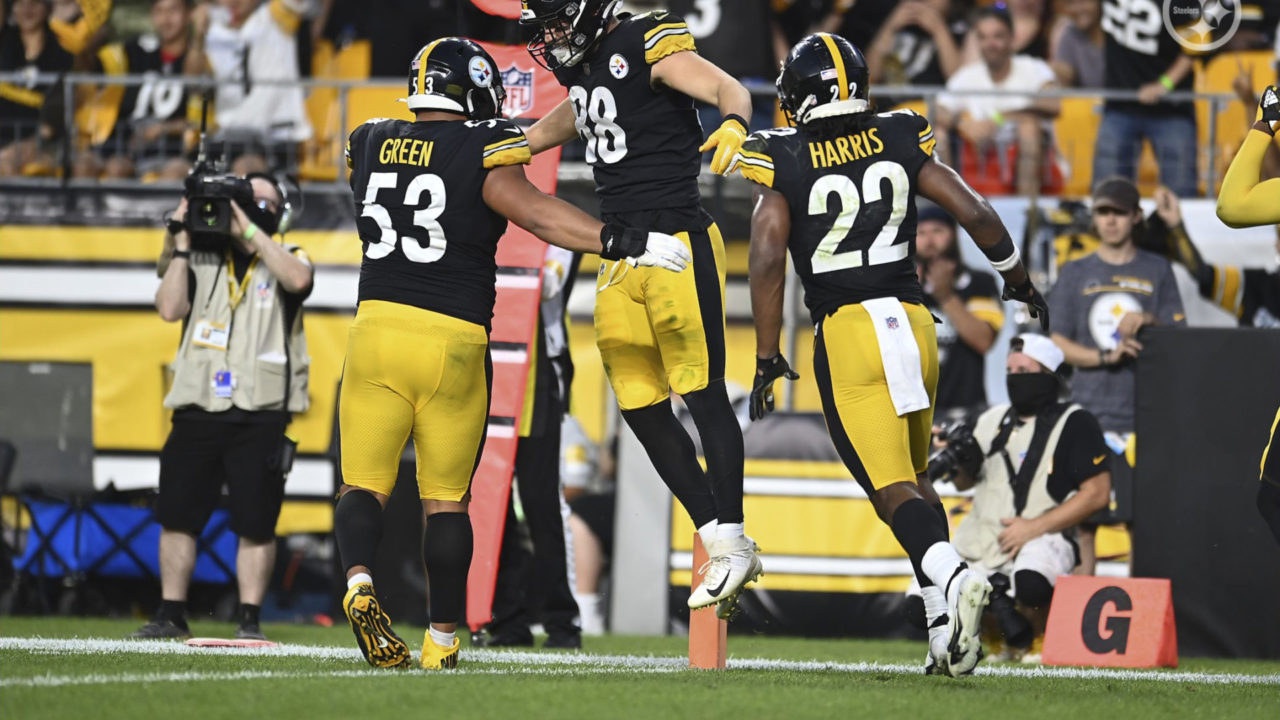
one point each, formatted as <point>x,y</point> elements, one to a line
<point>1032,392</point>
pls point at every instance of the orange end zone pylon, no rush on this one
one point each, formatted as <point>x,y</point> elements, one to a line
<point>708,634</point>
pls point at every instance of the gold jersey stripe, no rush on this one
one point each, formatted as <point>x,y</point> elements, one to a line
<point>669,45</point>
<point>841,78</point>
<point>20,95</point>
<point>665,26</point>
<point>514,156</point>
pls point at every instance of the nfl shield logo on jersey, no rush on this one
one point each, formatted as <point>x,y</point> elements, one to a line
<point>891,322</point>
<point>519,85</point>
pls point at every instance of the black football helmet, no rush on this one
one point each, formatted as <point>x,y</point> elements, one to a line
<point>821,69</point>
<point>454,74</point>
<point>564,30</point>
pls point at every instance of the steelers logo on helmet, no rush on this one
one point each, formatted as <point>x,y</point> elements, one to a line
<point>481,71</point>
<point>455,75</point>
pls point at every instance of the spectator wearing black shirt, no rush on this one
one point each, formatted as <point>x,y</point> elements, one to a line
<point>151,120</point>
<point>27,45</point>
<point>917,45</point>
<point>967,302</point>
<point>1141,55</point>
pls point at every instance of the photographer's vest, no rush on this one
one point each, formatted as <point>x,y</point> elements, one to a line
<point>1003,489</point>
<point>239,358</point>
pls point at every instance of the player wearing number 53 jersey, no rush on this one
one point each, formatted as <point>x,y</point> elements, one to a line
<point>839,192</point>
<point>433,197</point>
<point>632,82</point>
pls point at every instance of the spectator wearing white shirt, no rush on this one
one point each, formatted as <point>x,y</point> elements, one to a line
<point>1001,120</point>
<point>246,44</point>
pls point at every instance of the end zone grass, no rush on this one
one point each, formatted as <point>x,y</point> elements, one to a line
<point>319,673</point>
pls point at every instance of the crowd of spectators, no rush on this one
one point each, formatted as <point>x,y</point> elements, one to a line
<point>252,49</point>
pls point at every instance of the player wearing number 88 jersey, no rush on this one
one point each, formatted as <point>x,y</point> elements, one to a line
<point>433,197</point>
<point>632,82</point>
<point>839,191</point>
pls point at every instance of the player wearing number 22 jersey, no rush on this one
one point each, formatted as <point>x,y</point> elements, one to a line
<point>838,191</point>
<point>433,197</point>
<point>632,81</point>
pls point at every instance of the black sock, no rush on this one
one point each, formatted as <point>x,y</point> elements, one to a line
<point>446,551</point>
<point>357,525</point>
<point>942,513</point>
<point>672,453</point>
<point>722,447</point>
<point>917,527</point>
<point>175,611</point>
<point>248,614</point>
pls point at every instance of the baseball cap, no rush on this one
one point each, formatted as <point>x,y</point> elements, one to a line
<point>1041,349</point>
<point>1116,192</point>
<point>929,211</point>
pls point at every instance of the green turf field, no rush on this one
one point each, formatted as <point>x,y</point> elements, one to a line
<point>319,674</point>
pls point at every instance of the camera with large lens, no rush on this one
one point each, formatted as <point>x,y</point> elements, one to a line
<point>209,194</point>
<point>962,452</point>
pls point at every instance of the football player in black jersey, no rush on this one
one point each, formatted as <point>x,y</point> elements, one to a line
<point>433,197</point>
<point>839,191</point>
<point>632,82</point>
<point>1245,201</point>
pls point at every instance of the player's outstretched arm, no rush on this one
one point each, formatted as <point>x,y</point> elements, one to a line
<point>945,187</point>
<point>767,272</point>
<point>700,79</point>
<point>1243,201</point>
<point>509,193</point>
<point>554,129</point>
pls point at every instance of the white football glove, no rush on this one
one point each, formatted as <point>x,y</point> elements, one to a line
<point>664,251</point>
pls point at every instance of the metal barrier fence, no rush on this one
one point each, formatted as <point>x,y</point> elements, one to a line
<point>80,123</point>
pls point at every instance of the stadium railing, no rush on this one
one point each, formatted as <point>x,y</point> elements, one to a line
<point>85,104</point>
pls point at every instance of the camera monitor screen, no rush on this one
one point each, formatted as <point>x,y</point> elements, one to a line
<point>46,411</point>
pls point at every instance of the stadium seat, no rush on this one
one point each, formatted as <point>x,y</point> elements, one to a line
<point>321,154</point>
<point>1233,118</point>
<point>1076,130</point>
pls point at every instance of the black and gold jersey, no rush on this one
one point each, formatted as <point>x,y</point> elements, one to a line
<point>642,140</point>
<point>852,200</point>
<point>429,238</point>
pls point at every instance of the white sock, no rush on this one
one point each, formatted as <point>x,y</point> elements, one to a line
<point>940,562</point>
<point>589,613</point>
<point>443,639</point>
<point>728,531</point>
<point>935,604</point>
<point>358,578</point>
<point>708,534</point>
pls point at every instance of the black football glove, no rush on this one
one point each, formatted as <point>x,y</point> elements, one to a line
<point>1027,293</point>
<point>767,371</point>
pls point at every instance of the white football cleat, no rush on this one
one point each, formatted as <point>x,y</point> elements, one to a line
<point>967,594</point>
<point>733,564</point>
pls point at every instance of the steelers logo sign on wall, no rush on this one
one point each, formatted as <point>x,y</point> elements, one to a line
<point>1104,317</point>
<point>618,66</point>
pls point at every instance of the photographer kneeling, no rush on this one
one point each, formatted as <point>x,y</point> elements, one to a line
<point>1038,467</point>
<point>240,371</point>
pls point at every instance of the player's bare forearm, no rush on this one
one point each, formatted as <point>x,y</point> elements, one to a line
<point>767,263</point>
<point>553,130</point>
<point>1092,495</point>
<point>1243,201</point>
<point>509,193</point>
<point>693,75</point>
<point>944,186</point>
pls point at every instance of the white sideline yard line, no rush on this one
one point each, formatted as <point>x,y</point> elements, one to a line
<point>527,663</point>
